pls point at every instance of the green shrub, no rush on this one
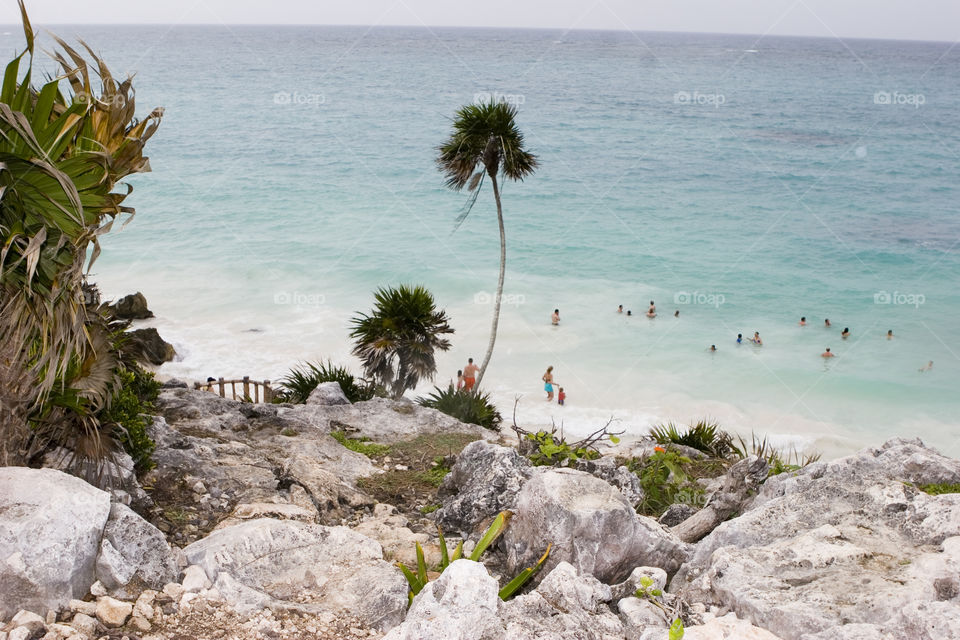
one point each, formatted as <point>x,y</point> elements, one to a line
<point>126,415</point>
<point>544,448</point>
<point>705,436</point>
<point>471,407</point>
<point>297,386</point>
<point>664,481</point>
<point>360,445</point>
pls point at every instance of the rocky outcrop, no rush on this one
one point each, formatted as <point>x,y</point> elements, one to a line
<point>485,480</point>
<point>147,346</point>
<point>607,469</point>
<point>306,567</point>
<point>134,555</point>
<point>58,535</point>
<point>50,529</point>
<point>590,524</point>
<point>132,307</point>
<point>848,543</point>
<point>327,394</point>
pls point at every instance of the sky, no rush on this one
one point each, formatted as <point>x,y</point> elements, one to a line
<point>886,19</point>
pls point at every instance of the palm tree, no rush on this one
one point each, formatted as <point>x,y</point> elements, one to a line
<point>396,342</point>
<point>486,142</point>
<point>61,155</point>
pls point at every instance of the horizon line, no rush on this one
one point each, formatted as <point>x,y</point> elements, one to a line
<point>485,27</point>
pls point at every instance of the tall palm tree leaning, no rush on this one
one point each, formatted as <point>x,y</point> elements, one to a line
<point>486,142</point>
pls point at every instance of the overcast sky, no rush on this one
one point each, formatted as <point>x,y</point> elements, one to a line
<point>898,19</point>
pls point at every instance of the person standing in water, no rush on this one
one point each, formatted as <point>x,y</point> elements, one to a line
<point>739,338</point>
<point>555,318</point>
<point>827,354</point>
<point>826,322</point>
<point>459,379</point>
<point>846,333</point>
<point>470,374</point>
<point>676,314</point>
<point>548,383</point>
<point>803,321</point>
<point>620,309</point>
<point>561,397</point>
<point>927,368</point>
<point>890,334</point>
<point>756,339</point>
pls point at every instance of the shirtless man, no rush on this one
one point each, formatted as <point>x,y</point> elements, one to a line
<point>803,321</point>
<point>827,354</point>
<point>620,309</point>
<point>470,374</point>
<point>555,318</point>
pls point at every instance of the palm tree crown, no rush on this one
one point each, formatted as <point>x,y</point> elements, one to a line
<point>396,342</point>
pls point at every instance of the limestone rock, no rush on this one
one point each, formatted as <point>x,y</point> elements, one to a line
<point>328,393</point>
<point>462,604</point>
<point>391,530</point>
<point>729,627</point>
<point>567,605</point>
<point>50,528</point>
<point>606,469</point>
<point>838,544</point>
<point>85,624</point>
<point>132,307</point>
<point>112,612</point>
<point>195,579</point>
<point>485,480</point>
<point>638,615</point>
<point>134,555</point>
<point>590,524</point>
<point>302,566</point>
<point>29,621</point>
<point>147,346</point>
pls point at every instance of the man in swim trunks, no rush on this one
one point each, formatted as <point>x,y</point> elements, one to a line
<point>555,318</point>
<point>827,354</point>
<point>803,321</point>
<point>470,374</point>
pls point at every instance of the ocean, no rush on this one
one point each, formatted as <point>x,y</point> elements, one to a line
<point>742,181</point>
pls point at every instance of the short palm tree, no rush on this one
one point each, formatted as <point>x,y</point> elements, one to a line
<point>397,341</point>
<point>486,142</point>
<point>61,155</point>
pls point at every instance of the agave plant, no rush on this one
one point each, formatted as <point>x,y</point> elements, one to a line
<point>417,581</point>
<point>486,142</point>
<point>397,341</point>
<point>300,382</point>
<point>472,407</point>
<point>61,156</point>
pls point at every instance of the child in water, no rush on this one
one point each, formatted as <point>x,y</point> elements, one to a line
<point>561,396</point>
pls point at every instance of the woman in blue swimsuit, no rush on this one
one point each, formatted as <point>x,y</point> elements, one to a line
<point>548,383</point>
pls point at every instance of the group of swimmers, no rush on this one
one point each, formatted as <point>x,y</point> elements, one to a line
<point>651,311</point>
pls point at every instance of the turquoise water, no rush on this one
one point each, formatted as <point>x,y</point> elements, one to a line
<point>745,182</point>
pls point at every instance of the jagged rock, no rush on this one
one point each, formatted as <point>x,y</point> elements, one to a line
<point>50,528</point>
<point>134,555</point>
<point>676,513</point>
<point>391,529</point>
<point>174,383</point>
<point>115,475</point>
<point>839,543</point>
<point>132,307</point>
<point>590,524</point>
<point>606,469</point>
<point>327,394</point>
<point>147,346</point>
<point>729,627</point>
<point>87,625</point>
<point>278,511</point>
<point>300,566</point>
<point>195,579</point>
<point>462,604</point>
<point>112,612</point>
<point>639,615</point>
<point>629,586</point>
<point>567,605</point>
<point>485,480</point>
<point>29,621</point>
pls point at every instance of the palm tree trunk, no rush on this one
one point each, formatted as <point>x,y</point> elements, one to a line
<point>503,268</point>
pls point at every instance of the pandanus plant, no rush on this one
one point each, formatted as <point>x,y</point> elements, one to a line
<point>62,153</point>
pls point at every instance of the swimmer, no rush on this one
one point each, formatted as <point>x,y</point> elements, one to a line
<point>739,338</point>
<point>653,308</point>
<point>676,314</point>
<point>846,333</point>
<point>620,309</point>
<point>803,321</point>
<point>890,334</point>
<point>928,367</point>
<point>827,354</point>
<point>651,313</point>
<point>629,313</point>
<point>756,339</point>
<point>826,322</point>
<point>713,347</point>
<point>555,318</point>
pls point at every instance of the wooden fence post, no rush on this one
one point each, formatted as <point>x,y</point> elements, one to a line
<point>223,389</point>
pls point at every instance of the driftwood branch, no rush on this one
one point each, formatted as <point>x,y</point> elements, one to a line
<point>740,482</point>
<point>525,445</point>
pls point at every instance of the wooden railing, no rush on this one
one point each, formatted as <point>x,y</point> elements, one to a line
<point>262,392</point>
